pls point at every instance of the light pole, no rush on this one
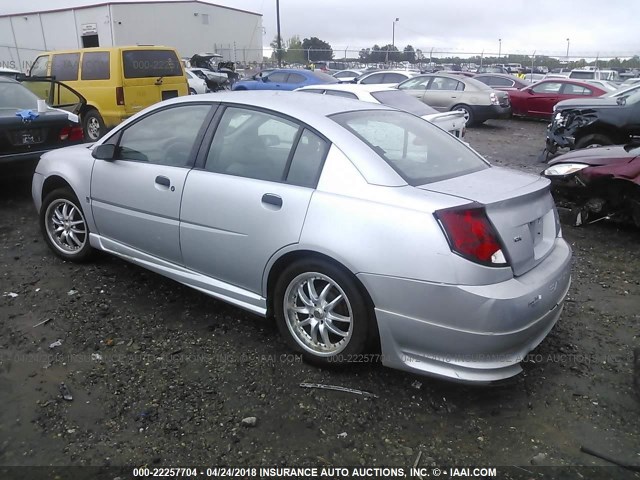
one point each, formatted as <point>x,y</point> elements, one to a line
<point>393,34</point>
<point>499,48</point>
<point>279,39</point>
<point>567,51</point>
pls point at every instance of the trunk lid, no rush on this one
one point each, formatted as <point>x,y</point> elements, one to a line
<point>519,206</point>
<point>42,133</point>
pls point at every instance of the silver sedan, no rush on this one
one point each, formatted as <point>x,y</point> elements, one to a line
<point>361,228</point>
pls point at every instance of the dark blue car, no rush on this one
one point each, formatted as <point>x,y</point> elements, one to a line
<point>284,79</point>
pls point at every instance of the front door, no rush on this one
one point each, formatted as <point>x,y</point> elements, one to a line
<point>250,199</point>
<point>135,198</point>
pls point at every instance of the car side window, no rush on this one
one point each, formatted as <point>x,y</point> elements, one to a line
<point>443,83</point>
<point>95,66</point>
<point>277,77</point>
<point>40,67</point>
<point>338,93</point>
<point>307,160</point>
<point>547,87</point>
<point>571,89</point>
<point>64,66</point>
<point>344,74</point>
<point>312,90</point>
<point>394,78</point>
<point>373,79</point>
<point>165,137</point>
<point>418,83</point>
<point>500,82</point>
<point>296,78</point>
<point>257,147</point>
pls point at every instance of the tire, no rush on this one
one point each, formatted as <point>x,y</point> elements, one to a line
<point>326,346</point>
<point>93,125</point>
<point>192,92</point>
<point>468,114</point>
<point>593,140</point>
<point>61,209</point>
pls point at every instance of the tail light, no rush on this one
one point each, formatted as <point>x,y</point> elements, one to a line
<point>71,134</point>
<point>494,99</point>
<point>471,235</point>
<point>119,95</point>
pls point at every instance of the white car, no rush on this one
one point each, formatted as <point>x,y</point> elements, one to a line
<point>347,76</point>
<point>452,122</point>
<point>196,84</point>
<point>386,76</point>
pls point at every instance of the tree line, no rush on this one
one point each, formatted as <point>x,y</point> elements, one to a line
<point>313,49</point>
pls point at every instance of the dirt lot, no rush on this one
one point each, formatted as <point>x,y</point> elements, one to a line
<point>163,375</point>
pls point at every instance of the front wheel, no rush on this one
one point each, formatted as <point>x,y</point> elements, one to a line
<point>64,226</point>
<point>321,312</point>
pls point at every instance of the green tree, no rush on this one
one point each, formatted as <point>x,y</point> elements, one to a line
<point>391,53</point>
<point>316,49</point>
<point>409,54</point>
<point>274,46</point>
<point>295,52</point>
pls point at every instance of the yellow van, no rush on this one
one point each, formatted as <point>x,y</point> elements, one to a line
<point>116,81</point>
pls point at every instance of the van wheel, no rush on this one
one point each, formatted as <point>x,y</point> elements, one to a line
<point>93,125</point>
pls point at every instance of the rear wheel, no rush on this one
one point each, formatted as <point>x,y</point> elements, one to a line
<point>468,113</point>
<point>321,312</point>
<point>93,125</point>
<point>593,140</point>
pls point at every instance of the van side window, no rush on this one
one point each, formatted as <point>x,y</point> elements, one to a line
<point>95,66</point>
<point>64,66</point>
<point>40,67</point>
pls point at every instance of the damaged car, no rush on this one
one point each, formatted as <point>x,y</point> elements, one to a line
<point>603,121</point>
<point>597,184</point>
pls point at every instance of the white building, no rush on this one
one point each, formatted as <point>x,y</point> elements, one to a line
<point>190,26</point>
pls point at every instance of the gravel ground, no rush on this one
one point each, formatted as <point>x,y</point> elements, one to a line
<point>163,375</point>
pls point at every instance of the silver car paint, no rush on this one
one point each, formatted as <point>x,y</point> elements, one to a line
<point>247,230</point>
<point>365,216</point>
<point>127,204</point>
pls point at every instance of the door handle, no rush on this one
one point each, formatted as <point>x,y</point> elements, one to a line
<point>272,199</point>
<point>164,181</point>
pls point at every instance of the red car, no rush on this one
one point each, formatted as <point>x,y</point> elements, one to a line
<point>538,100</point>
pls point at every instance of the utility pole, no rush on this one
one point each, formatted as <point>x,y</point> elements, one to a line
<point>279,38</point>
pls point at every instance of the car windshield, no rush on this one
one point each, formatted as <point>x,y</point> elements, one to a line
<point>402,101</point>
<point>14,96</point>
<point>420,152</point>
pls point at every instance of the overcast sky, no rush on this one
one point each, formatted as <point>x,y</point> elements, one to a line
<point>470,26</point>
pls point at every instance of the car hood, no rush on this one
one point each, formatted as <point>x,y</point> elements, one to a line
<point>589,102</point>
<point>596,156</point>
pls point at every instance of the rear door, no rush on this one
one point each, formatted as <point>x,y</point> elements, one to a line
<point>443,92</point>
<point>542,98</point>
<point>56,94</point>
<point>150,76</point>
<point>135,197</point>
<point>250,197</point>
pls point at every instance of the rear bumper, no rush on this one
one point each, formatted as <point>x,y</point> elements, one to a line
<point>488,112</point>
<point>474,334</point>
<point>20,164</point>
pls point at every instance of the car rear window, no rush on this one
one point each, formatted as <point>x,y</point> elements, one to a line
<point>402,101</point>
<point>151,63</point>
<point>583,75</point>
<point>324,77</point>
<point>417,150</point>
<point>14,96</point>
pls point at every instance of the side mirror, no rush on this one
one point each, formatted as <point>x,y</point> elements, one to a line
<point>265,79</point>
<point>529,91</point>
<point>104,152</point>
